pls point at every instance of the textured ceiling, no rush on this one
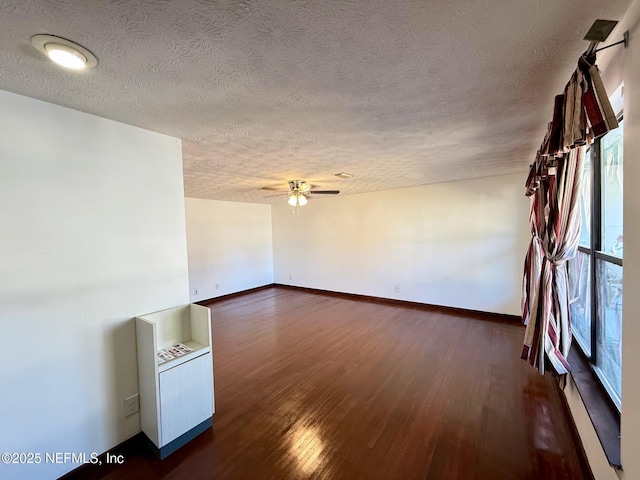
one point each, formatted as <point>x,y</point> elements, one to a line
<point>261,92</point>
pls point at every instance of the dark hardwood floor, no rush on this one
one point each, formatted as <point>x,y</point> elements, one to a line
<point>317,386</point>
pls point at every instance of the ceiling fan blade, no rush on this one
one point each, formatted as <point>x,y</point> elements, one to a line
<point>275,195</point>
<point>276,189</point>
<point>324,192</point>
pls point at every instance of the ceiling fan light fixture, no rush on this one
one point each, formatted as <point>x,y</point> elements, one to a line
<point>297,200</point>
<point>64,52</point>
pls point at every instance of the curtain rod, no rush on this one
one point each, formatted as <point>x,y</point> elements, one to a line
<point>625,40</point>
<point>592,46</point>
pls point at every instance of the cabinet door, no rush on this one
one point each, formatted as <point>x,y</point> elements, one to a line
<point>186,397</point>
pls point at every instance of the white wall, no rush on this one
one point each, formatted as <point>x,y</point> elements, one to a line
<point>459,244</point>
<point>592,447</point>
<point>229,247</point>
<point>631,309</point>
<point>93,233</point>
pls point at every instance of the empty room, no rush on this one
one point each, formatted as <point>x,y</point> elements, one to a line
<point>356,239</point>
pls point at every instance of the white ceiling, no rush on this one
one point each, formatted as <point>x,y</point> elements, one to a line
<point>396,93</point>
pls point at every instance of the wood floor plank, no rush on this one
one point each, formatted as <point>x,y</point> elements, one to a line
<point>316,386</point>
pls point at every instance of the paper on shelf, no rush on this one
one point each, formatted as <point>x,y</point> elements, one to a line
<point>169,353</point>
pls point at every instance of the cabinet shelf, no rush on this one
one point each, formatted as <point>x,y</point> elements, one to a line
<point>197,350</point>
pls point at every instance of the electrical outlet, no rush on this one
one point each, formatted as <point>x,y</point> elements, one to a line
<point>195,292</point>
<point>131,405</point>
<point>291,276</point>
<point>217,286</point>
<point>397,287</point>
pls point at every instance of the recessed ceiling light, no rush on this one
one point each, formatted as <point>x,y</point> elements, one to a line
<point>65,56</point>
<point>343,175</point>
<point>64,52</point>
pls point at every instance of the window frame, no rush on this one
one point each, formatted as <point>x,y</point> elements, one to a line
<point>595,253</point>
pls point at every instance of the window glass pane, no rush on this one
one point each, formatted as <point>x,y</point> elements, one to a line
<point>612,239</point>
<point>617,99</point>
<point>580,300</point>
<point>585,202</point>
<point>609,331</point>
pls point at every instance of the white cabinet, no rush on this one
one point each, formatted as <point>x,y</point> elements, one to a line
<point>186,395</point>
<point>176,396</point>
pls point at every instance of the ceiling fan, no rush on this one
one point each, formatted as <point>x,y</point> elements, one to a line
<point>299,190</point>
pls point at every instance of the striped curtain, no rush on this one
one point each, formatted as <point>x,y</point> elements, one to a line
<point>555,226</point>
<point>580,114</point>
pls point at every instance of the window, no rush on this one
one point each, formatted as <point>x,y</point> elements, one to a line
<point>595,274</point>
